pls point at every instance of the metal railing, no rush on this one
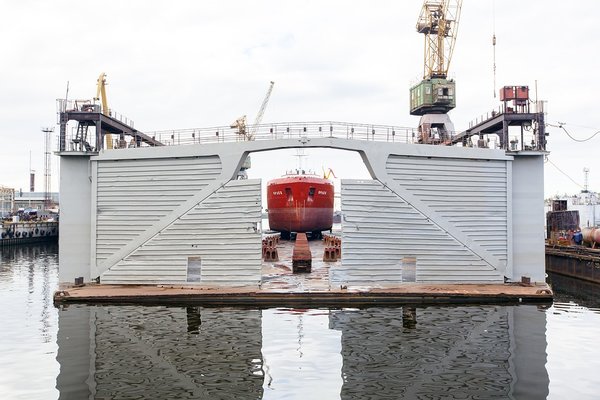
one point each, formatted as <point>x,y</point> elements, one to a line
<point>279,131</point>
<point>64,105</point>
<point>532,108</point>
<point>288,130</point>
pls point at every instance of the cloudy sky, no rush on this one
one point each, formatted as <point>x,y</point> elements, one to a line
<point>190,64</point>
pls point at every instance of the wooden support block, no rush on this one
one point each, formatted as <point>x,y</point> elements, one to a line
<point>270,254</point>
<point>301,256</point>
<point>329,254</point>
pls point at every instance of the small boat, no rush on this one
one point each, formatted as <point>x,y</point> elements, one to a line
<point>300,202</point>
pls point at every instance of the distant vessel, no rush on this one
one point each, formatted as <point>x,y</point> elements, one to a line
<point>300,202</point>
<point>586,202</point>
<point>22,232</point>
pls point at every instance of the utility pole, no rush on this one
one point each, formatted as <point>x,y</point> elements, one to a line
<point>47,168</point>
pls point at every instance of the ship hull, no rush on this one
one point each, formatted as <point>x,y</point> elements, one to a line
<point>300,204</point>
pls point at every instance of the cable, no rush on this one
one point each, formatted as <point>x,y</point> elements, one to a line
<point>562,172</point>
<point>494,42</point>
<point>561,125</point>
<point>579,140</point>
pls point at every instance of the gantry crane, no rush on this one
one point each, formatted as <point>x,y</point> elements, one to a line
<point>435,95</point>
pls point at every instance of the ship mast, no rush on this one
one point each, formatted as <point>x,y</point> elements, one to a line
<point>300,154</point>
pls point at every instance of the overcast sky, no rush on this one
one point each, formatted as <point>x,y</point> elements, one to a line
<point>189,64</point>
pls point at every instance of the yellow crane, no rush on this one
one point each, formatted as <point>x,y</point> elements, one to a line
<point>101,96</point>
<point>327,174</point>
<point>438,21</point>
<point>261,112</point>
<point>241,124</point>
<point>435,95</point>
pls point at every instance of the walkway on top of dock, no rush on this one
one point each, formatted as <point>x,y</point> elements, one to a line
<point>279,130</point>
<point>289,130</point>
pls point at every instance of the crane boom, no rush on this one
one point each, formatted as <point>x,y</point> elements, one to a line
<point>101,95</point>
<point>438,21</point>
<point>241,123</point>
<point>261,112</point>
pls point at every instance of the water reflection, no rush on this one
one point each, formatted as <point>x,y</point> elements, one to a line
<point>475,352</point>
<point>137,352</point>
<point>573,290</point>
<point>301,355</point>
<point>28,276</point>
<point>431,352</point>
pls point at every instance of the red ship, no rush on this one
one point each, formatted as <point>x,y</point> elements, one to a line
<point>300,203</point>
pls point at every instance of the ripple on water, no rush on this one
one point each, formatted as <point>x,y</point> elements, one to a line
<point>128,352</point>
<point>28,277</point>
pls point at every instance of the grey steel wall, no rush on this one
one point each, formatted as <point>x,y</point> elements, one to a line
<point>442,216</point>
<point>381,231</point>
<point>154,216</point>
<point>528,217</point>
<point>132,195</point>
<point>220,232</point>
<point>75,217</point>
<point>469,194</point>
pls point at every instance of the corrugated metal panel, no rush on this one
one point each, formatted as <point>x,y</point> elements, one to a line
<point>380,229</point>
<point>470,194</point>
<point>134,194</point>
<point>221,230</point>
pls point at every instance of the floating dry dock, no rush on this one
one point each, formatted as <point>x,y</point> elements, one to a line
<point>433,222</point>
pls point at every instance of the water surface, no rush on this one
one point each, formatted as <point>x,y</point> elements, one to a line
<point>433,352</point>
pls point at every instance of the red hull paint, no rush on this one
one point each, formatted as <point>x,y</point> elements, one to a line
<point>300,203</point>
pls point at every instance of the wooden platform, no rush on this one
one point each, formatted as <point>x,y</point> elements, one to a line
<point>406,294</point>
<point>410,293</point>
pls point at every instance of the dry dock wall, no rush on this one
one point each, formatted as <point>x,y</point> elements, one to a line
<point>175,214</point>
<point>170,220</point>
<point>74,243</point>
<point>527,216</point>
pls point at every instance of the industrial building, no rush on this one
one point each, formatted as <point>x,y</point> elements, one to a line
<point>7,201</point>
